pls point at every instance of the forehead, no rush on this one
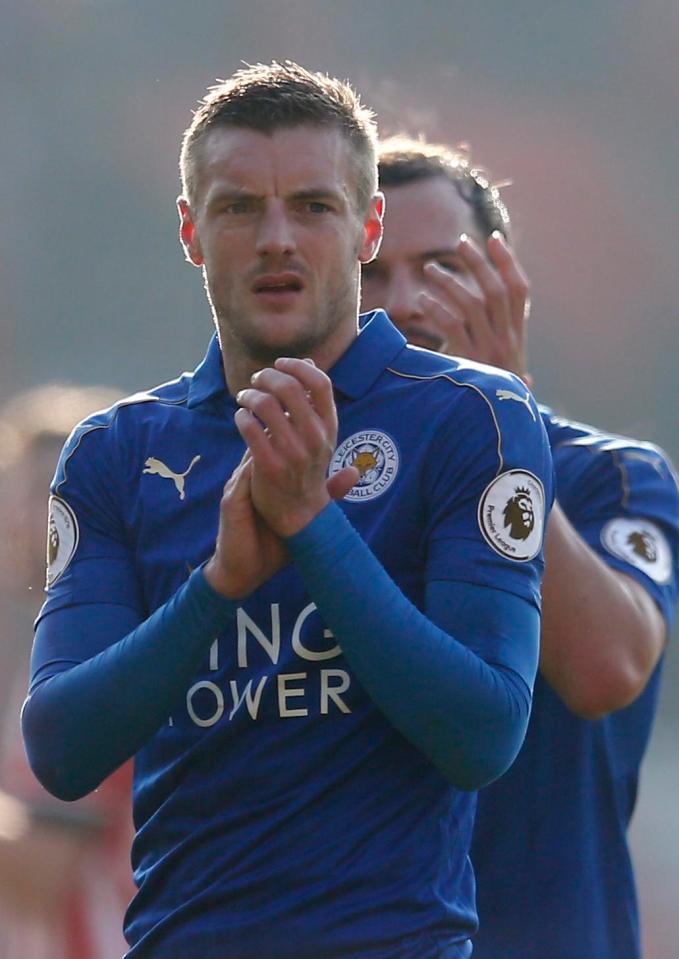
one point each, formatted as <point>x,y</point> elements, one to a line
<point>424,215</point>
<point>283,161</point>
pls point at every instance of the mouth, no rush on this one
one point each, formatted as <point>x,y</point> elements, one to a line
<point>278,288</point>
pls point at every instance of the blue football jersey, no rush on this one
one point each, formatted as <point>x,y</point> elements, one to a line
<point>277,812</point>
<point>550,850</point>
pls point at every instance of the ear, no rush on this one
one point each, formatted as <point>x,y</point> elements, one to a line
<point>372,229</point>
<point>188,233</point>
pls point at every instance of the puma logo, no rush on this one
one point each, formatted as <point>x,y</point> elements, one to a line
<point>158,468</point>
<point>509,395</point>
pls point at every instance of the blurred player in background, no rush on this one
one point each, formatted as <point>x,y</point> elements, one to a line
<point>311,691</point>
<point>554,877</point>
<point>65,877</point>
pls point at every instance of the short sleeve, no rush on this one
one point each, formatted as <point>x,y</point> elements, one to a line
<point>490,491</point>
<point>630,516</point>
<point>89,558</point>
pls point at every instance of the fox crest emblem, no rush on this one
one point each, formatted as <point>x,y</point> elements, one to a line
<point>364,461</point>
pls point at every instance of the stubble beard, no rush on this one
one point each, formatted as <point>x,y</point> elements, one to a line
<point>338,305</point>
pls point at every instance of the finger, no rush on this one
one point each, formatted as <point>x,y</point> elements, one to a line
<point>316,382</point>
<point>449,325</point>
<point>461,299</point>
<point>244,468</point>
<point>339,484</point>
<point>262,451</point>
<point>240,478</point>
<point>272,416</point>
<point>237,494</point>
<point>452,289</point>
<point>516,281</point>
<point>296,401</point>
<point>490,282</point>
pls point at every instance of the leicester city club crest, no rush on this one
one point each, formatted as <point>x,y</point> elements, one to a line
<point>375,456</point>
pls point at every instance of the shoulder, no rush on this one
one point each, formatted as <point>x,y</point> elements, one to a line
<point>121,423</point>
<point>482,403</point>
<point>636,468</point>
<point>451,373</point>
<point>621,494</point>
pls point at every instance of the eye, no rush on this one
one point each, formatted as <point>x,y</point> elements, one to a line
<point>238,206</point>
<point>316,206</point>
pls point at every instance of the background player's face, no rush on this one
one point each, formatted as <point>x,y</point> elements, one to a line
<point>275,226</point>
<point>422,223</point>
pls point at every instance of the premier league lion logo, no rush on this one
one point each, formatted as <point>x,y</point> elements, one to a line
<point>52,542</point>
<point>642,544</point>
<point>518,514</point>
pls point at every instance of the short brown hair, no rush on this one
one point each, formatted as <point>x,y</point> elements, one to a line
<point>267,97</point>
<point>402,159</point>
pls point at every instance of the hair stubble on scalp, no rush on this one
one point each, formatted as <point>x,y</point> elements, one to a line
<point>403,160</point>
<point>269,97</point>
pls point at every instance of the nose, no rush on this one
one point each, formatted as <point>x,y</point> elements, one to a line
<point>402,299</point>
<point>275,233</point>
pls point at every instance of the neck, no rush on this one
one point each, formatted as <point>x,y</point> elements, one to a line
<point>240,363</point>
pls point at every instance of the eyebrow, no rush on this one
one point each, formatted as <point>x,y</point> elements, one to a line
<point>315,192</point>
<point>220,194</point>
<point>310,193</point>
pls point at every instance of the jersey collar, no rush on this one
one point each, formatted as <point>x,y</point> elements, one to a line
<point>376,345</point>
<point>208,378</point>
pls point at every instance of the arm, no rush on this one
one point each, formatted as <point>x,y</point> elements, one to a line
<point>468,716</point>
<point>602,633</point>
<point>103,683</point>
<point>82,720</point>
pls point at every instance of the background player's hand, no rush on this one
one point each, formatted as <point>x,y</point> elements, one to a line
<point>247,552</point>
<point>289,422</point>
<point>482,314</point>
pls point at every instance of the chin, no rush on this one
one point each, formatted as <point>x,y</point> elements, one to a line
<point>297,341</point>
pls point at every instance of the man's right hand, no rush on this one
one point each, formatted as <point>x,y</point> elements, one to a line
<point>247,552</point>
<point>482,314</point>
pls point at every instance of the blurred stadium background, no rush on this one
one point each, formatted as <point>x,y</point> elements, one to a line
<point>575,103</point>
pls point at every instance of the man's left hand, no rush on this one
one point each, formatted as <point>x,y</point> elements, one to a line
<point>289,422</point>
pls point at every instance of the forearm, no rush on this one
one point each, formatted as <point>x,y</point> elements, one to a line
<point>84,721</point>
<point>602,634</point>
<point>466,716</point>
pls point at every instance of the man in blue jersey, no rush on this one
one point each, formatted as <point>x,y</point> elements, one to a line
<point>554,878</point>
<point>315,663</point>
